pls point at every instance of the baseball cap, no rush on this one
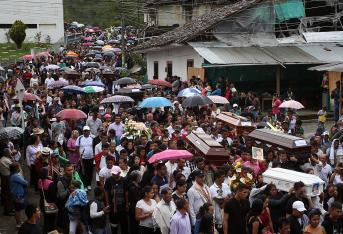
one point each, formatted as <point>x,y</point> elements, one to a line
<point>299,206</point>
<point>325,133</point>
<point>235,105</point>
<point>115,170</point>
<point>86,128</point>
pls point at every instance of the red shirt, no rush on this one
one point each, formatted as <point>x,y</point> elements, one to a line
<point>275,108</point>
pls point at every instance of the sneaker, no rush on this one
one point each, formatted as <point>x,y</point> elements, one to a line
<point>89,188</point>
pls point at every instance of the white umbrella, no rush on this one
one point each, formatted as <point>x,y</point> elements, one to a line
<point>52,67</point>
<point>117,99</point>
<point>292,105</point>
<point>218,99</point>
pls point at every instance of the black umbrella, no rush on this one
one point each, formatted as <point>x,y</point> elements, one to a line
<point>109,53</point>
<point>148,86</point>
<point>196,100</point>
<point>125,81</point>
<point>92,65</point>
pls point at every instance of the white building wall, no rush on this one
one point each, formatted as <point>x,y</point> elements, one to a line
<point>178,56</point>
<point>47,14</point>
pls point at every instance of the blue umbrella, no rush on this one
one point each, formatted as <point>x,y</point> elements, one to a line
<point>188,92</point>
<point>73,89</point>
<point>93,83</point>
<point>154,102</point>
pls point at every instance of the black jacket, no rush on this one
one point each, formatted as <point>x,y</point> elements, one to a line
<point>331,226</point>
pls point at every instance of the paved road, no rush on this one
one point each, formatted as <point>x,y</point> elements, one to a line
<point>7,224</point>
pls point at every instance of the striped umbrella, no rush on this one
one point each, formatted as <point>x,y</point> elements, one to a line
<point>117,99</point>
<point>93,89</point>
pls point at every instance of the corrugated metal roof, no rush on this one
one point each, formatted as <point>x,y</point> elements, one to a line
<point>235,56</point>
<point>290,55</point>
<point>335,67</point>
<point>325,53</point>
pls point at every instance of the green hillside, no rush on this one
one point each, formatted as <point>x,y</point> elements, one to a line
<point>103,13</point>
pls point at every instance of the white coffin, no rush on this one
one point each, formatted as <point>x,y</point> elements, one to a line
<point>284,180</point>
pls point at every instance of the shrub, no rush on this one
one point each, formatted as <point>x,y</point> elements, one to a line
<point>17,33</point>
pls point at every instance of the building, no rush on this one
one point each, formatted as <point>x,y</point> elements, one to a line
<point>166,13</point>
<point>45,17</point>
<point>259,45</point>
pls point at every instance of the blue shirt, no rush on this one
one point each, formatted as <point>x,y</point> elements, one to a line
<point>18,185</point>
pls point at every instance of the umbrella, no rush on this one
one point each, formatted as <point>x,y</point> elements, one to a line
<point>29,97</point>
<point>73,89</point>
<point>100,42</point>
<point>218,99</point>
<point>125,81</point>
<point>93,83</point>
<point>170,155</point>
<point>72,54</point>
<point>153,102</point>
<point>70,71</point>
<point>43,54</point>
<point>116,50</point>
<point>88,39</point>
<point>93,65</point>
<point>160,83</point>
<point>117,99</point>
<point>134,86</point>
<point>95,70</point>
<point>58,84</point>
<point>196,100</point>
<point>188,92</point>
<point>28,57</point>
<point>292,105</point>
<point>74,114</point>
<point>148,86</point>
<point>113,42</point>
<point>52,67</point>
<point>90,30</point>
<point>10,133</point>
<point>93,89</point>
<point>109,53</point>
<point>87,44</point>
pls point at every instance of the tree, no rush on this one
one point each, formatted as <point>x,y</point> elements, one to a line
<point>17,33</point>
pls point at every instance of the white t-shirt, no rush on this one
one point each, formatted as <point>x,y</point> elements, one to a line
<point>141,204</point>
<point>216,192</point>
<point>98,148</point>
<point>86,146</point>
<point>105,173</point>
<point>48,81</point>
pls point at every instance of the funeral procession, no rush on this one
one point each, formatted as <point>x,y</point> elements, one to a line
<point>171,116</point>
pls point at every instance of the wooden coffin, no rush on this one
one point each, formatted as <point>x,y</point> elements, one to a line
<point>207,147</point>
<point>239,123</point>
<point>293,145</point>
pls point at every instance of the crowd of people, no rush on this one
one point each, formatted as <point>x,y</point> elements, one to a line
<point>92,176</point>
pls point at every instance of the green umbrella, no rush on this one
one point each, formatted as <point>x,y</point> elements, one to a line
<point>93,89</point>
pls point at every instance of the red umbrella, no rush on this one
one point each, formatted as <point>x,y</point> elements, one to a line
<point>74,114</point>
<point>160,83</point>
<point>170,155</point>
<point>29,97</point>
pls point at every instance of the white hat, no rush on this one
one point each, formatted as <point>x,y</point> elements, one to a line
<point>299,206</point>
<point>115,170</point>
<point>86,128</point>
<point>325,133</point>
<point>235,105</point>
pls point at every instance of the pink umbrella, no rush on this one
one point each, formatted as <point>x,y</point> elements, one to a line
<point>29,97</point>
<point>44,53</point>
<point>88,39</point>
<point>73,114</point>
<point>28,57</point>
<point>87,44</point>
<point>90,30</point>
<point>170,155</point>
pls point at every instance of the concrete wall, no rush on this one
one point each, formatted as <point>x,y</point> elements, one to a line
<point>48,15</point>
<point>169,15</point>
<point>178,56</point>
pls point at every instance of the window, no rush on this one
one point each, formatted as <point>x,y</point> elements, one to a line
<point>169,68</point>
<point>190,63</point>
<point>155,70</point>
<point>10,25</point>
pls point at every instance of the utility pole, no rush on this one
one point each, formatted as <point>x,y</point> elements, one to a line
<point>123,47</point>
